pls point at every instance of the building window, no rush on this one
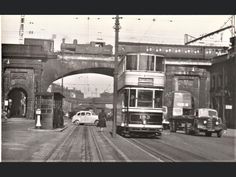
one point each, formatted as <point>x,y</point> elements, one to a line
<point>213,82</point>
<point>220,81</point>
<point>226,80</point>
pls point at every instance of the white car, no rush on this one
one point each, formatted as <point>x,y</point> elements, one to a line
<point>85,117</point>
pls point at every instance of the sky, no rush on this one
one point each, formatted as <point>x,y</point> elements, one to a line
<point>162,29</point>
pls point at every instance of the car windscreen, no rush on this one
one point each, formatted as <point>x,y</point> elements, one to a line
<point>207,113</point>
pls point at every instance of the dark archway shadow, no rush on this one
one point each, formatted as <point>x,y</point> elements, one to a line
<point>18,103</point>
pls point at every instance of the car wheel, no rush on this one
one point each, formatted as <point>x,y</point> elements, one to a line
<point>96,123</point>
<point>76,122</point>
<point>219,133</point>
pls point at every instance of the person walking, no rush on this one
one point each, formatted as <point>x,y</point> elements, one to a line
<point>102,120</point>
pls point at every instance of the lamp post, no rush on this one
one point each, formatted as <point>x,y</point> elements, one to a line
<point>117,28</point>
<point>62,84</point>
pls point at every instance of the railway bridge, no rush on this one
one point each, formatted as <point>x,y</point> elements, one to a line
<point>31,68</point>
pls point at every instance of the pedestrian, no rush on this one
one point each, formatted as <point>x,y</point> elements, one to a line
<point>102,120</point>
<point>4,115</point>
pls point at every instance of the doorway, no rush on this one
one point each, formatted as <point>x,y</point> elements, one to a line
<point>18,103</point>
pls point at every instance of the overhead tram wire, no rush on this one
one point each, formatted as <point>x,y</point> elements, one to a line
<point>149,27</point>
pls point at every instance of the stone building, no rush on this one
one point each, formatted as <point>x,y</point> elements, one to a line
<point>22,66</point>
<point>223,85</point>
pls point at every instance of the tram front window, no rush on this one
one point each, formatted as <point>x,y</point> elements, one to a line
<point>131,62</point>
<point>146,63</point>
<point>158,99</point>
<point>125,97</point>
<point>132,97</point>
<point>145,98</point>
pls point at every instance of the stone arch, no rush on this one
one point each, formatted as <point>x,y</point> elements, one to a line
<point>84,71</point>
<point>29,100</point>
<point>56,69</point>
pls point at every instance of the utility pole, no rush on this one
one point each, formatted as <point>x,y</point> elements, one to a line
<point>117,28</point>
<point>223,96</point>
<point>62,55</point>
<point>233,26</point>
<point>21,31</point>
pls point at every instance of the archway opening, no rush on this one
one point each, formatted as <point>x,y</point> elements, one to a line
<point>85,91</point>
<point>18,103</point>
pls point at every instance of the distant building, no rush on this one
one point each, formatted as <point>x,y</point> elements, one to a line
<point>68,93</point>
<point>106,95</point>
<point>73,97</point>
<point>223,85</point>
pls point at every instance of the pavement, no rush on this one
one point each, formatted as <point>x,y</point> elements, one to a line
<point>230,132</point>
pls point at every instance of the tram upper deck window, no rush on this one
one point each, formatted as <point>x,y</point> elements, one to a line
<point>131,62</point>
<point>145,98</point>
<point>146,63</point>
<point>159,64</point>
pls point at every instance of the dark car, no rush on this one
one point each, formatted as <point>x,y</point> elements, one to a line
<point>206,120</point>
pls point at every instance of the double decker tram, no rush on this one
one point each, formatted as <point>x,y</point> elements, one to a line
<point>141,78</point>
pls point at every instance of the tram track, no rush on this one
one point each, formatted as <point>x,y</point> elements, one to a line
<point>96,144</point>
<point>86,150</point>
<point>116,150</point>
<point>56,151</point>
<point>175,154</point>
<point>160,157</point>
<point>105,146</point>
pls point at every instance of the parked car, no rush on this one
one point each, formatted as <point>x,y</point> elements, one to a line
<point>85,117</point>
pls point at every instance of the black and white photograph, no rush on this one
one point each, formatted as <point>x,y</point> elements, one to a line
<point>118,88</point>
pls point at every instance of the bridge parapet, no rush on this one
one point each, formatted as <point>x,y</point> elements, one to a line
<point>86,57</point>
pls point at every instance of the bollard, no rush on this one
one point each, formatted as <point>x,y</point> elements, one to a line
<point>38,121</point>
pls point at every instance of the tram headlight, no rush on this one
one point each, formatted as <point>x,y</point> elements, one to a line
<point>204,122</point>
<point>217,123</point>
